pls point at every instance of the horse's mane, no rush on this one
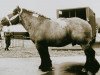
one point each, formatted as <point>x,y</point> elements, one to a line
<point>27,11</point>
<point>33,12</point>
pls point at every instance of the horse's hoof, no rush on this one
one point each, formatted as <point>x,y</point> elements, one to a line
<point>93,66</point>
<point>87,72</point>
<point>49,68</point>
<point>84,70</point>
<point>5,49</point>
<point>90,73</point>
<point>46,69</point>
<point>42,72</point>
<point>8,50</point>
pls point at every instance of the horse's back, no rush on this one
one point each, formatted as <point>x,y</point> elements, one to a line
<point>75,28</point>
<point>69,30</point>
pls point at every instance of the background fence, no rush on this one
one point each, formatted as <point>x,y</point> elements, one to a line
<point>14,43</point>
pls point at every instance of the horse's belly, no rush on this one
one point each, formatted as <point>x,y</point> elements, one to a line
<point>58,43</point>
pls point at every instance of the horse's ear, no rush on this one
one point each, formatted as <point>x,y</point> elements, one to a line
<point>16,10</point>
<point>18,7</point>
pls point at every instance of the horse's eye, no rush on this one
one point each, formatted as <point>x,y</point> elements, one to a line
<point>14,13</point>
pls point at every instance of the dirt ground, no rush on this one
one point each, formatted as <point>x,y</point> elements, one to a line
<point>24,59</point>
<point>26,49</point>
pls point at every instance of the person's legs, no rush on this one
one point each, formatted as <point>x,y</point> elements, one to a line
<point>7,45</point>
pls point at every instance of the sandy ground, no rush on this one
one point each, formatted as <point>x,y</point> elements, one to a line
<point>26,48</point>
<point>23,58</point>
<point>29,66</point>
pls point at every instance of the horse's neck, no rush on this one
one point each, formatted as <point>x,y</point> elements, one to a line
<point>30,22</point>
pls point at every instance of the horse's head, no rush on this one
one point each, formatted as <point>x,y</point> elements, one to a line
<point>15,17</point>
<point>12,18</point>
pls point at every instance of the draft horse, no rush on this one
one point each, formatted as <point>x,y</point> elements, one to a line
<point>45,33</point>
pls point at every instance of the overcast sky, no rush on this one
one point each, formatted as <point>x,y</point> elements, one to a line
<point>47,7</point>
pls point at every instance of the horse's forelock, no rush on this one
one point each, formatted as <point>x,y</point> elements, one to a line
<point>16,10</point>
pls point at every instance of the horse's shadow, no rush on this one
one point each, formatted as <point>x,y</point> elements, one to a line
<point>74,69</point>
<point>69,69</point>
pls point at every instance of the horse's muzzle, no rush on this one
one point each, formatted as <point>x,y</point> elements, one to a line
<point>5,22</point>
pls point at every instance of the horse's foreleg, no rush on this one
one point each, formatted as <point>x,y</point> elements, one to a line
<point>46,63</point>
<point>91,64</point>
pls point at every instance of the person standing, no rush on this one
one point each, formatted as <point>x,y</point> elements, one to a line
<point>7,36</point>
<point>7,40</point>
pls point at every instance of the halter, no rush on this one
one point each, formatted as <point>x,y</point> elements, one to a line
<point>19,13</point>
<point>8,20</point>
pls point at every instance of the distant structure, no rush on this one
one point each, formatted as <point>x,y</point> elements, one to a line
<point>17,40</point>
<point>17,31</point>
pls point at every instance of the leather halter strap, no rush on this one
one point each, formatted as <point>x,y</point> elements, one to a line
<point>9,20</point>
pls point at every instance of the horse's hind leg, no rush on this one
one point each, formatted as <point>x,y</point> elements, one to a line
<point>46,64</point>
<point>91,64</point>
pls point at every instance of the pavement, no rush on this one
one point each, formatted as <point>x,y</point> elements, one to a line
<point>29,66</point>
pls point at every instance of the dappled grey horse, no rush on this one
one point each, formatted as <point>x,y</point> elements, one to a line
<point>45,33</point>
